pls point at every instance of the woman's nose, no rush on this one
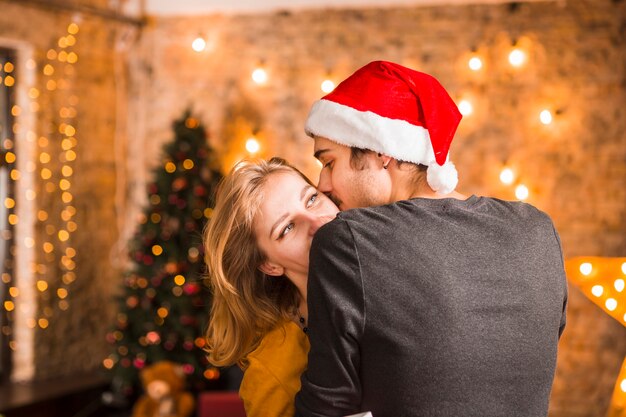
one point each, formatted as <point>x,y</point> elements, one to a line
<point>315,222</point>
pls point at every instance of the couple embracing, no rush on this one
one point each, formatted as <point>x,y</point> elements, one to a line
<point>382,289</point>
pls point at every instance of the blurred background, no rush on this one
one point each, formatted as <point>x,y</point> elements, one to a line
<point>118,117</point>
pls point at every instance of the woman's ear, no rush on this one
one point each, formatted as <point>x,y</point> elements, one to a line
<point>270,268</point>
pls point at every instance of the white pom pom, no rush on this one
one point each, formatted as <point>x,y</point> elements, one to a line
<point>442,178</point>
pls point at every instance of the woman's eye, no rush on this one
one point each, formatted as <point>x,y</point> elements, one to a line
<point>312,199</point>
<point>328,165</point>
<point>286,230</point>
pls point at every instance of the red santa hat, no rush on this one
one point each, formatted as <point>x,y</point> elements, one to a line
<point>394,110</point>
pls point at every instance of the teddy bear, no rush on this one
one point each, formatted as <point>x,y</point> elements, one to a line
<point>163,384</point>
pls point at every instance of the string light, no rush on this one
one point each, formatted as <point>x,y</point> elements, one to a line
<point>259,76</point>
<point>198,44</point>
<point>475,63</point>
<point>507,176</point>
<point>252,145</point>
<point>545,117</point>
<point>327,86</point>
<point>521,192</point>
<point>465,107</point>
<point>517,57</point>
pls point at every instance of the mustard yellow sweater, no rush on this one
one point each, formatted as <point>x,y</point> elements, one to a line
<point>272,377</point>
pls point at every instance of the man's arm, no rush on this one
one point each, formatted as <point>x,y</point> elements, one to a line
<point>331,385</point>
<point>564,279</point>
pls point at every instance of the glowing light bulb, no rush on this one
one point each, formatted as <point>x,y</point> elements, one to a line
<point>259,76</point>
<point>475,63</point>
<point>252,145</point>
<point>517,57</point>
<point>507,176</point>
<point>585,268</point>
<point>611,304</point>
<point>465,107</point>
<point>198,44</point>
<point>624,268</point>
<point>597,290</point>
<point>545,117</point>
<point>327,86</point>
<point>521,192</point>
<point>622,385</point>
<point>619,285</point>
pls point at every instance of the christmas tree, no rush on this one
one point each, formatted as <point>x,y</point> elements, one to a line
<point>164,304</point>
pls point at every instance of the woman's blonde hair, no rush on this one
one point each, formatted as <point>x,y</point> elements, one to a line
<point>246,302</point>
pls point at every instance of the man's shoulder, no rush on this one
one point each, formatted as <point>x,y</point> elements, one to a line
<point>347,220</point>
<point>518,208</point>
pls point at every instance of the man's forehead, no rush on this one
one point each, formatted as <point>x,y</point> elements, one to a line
<point>323,145</point>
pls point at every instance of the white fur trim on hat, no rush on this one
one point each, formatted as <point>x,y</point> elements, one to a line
<point>367,130</point>
<point>442,178</point>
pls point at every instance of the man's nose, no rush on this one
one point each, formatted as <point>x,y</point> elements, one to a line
<point>324,184</point>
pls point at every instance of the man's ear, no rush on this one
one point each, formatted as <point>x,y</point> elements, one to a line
<point>270,268</point>
<point>386,160</point>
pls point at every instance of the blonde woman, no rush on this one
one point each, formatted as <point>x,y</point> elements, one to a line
<point>257,252</point>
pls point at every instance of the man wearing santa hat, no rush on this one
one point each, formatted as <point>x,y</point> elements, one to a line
<point>422,301</point>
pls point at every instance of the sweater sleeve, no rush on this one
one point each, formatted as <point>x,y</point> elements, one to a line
<point>263,394</point>
<point>331,385</point>
<point>564,280</point>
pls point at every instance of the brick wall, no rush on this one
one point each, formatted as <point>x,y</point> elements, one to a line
<point>575,168</point>
<point>130,88</point>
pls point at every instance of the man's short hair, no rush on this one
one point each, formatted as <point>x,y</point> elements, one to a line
<point>357,162</point>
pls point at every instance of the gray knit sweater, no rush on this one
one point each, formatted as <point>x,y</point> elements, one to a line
<point>434,308</point>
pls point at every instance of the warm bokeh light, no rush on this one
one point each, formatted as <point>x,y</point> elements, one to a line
<point>63,235</point>
<point>252,145</point>
<point>188,164</point>
<point>9,203</point>
<point>507,176</point>
<point>179,280</point>
<point>521,192</point>
<point>9,157</point>
<point>212,373</point>
<point>465,107</point>
<point>198,44</point>
<point>545,117</point>
<point>259,76</point>
<point>170,167</point>
<point>586,268</point>
<point>475,63</point>
<point>517,57</point>
<point>157,250</point>
<point>327,86</point>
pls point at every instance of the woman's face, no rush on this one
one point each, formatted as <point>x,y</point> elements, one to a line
<point>289,215</point>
